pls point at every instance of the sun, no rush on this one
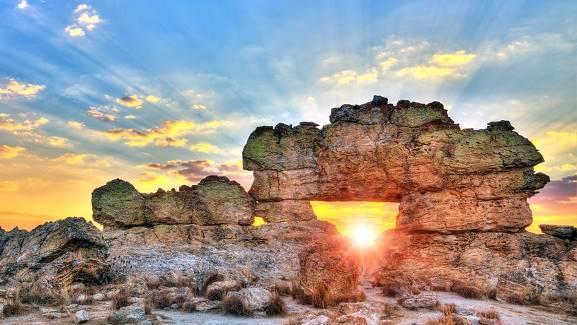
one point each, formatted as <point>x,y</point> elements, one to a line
<point>363,235</point>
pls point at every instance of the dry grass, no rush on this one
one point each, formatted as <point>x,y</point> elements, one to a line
<point>321,297</point>
<point>449,317</point>
<point>171,280</point>
<point>212,278</point>
<point>235,305</point>
<point>391,311</point>
<point>488,314</point>
<point>276,306</point>
<point>120,299</point>
<point>468,291</point>
<point>43,296</point>
<point>148,306</point>
<point>14,307</point>
<point>189,307</point>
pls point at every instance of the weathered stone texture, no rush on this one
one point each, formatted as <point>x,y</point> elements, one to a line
<point>54,254</point>
<point>445,178</point>
<point>515,267</point>
<point>214,201</point>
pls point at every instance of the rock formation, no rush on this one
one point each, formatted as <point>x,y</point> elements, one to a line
<point>214,201</point>
<point>462,193</point>
<point>446,179</point>
<point>54,254</point>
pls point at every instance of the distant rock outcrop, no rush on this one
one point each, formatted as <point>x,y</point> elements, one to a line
<point>563,232</point>
<point>214,201</point>
<point>54,254</point>
<point>446,179</point>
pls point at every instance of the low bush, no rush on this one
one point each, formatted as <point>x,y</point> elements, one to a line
<point>189,307</point>
<point>14,307</point>
<point>120,299</point>
<point>276,306</point>
<point>488,314</point>
<point>467,291</point>
<point>234,305</point>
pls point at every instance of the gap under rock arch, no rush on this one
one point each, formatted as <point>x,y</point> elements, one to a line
<point>373,217</point>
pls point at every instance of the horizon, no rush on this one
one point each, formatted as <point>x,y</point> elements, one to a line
<point>166,94</point>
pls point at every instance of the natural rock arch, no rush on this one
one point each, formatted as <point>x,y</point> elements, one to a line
<point>447,179</point>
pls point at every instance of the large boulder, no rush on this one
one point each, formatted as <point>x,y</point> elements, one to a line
<point>54,255</point>
<point>214,201</point>
<point>446,179</point>
<point>329,271</point>
<point>563,232</point>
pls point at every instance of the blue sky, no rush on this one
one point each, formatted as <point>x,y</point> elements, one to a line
<point>165,92</point>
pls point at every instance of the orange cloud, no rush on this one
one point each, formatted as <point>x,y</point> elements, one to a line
<point>168,135</point>
<point>8,152</point>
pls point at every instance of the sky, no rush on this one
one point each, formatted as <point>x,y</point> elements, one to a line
<point>163,93</point>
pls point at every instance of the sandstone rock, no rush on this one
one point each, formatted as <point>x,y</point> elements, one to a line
<point>514,267</point>
<point>129,314</point>
<point>214,201</point>
<point>54,255</point>
<point>98,297</point>
<point>119,204</point>
<point>81,316</point>
<point>563,232</point>
<point>287,210</point>
<point>423,300</point>
<point>256,299</point>
<point>329,264</point>
<point>217,290</point>
<point>446,179</point>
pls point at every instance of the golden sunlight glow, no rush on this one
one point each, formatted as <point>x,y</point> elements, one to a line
<point>258,221</point>
<point>347,216</point>
<point>364,235</point>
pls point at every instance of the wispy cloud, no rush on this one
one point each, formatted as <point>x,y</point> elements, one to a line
<point>8,152</point>
<point>170,134</point>
<point>130,101</point>
<point>72,158</point>
<point>86,20</point>
<point>103,113</point>
<point>27,129</point>
<point>206,148</point>
<point>76,125</point>
<point>14,88</point>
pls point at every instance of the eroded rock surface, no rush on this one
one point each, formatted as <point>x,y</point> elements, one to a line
<point>446,179</point>
<point>214,201</point>
<point>55,254</point>
<point>523,268</point>
<point>563,232</point>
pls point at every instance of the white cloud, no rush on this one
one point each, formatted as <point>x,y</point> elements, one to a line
<point>23,4</point>
<point>86,21</point>
<point>16,89</point>
<point>103,113</point>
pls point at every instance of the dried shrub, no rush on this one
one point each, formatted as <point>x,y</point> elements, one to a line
<point>189,307</point>
<point>148,306</point>
<point>320,297</point>
<point>43,296</point>
<point>14,307</point>
<point>391,311</point>
<point>276,306</point>
<point>215,294</point>
<point>488,314</point>
<point>234,305</point>
<point>448,309</point>
<point>467,291</point>
<point>160,298</point>
<point>120,299</point>
<point>211,278</point>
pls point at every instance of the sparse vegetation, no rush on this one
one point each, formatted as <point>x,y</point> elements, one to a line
<point>277,305</point>
<point>234,305</point>
<point>148,306</point>
<point>120,299</point>
<point>189,307</point>
<point>14,307</point>
<point>468,291</point>
<point>486,314</point>
<point>391,311</point>
<point>42,296</point>
<point>449,317</point>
